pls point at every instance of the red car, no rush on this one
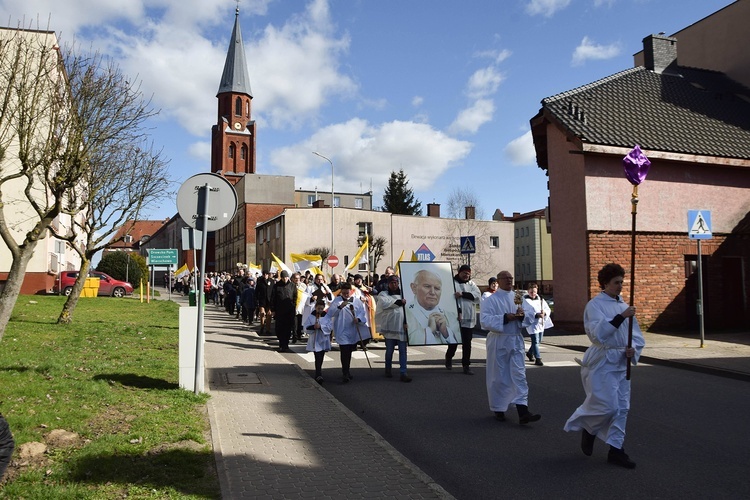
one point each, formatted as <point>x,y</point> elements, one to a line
<point>107,285</point>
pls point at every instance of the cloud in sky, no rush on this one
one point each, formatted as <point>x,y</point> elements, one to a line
<point>545,8</point>
<point>587,49</point>
<point>520,151</point>
<point>470,119</point>
<point>363,152</point>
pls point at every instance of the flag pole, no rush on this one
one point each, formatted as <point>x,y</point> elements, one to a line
<point>636,165</point>
<point>634,212</point>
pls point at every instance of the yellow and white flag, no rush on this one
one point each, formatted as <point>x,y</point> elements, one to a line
<point>398,262</point>
<point>183,271</point>
<point>279,265</point>
<point>360,257</point>
<point>254,270</point>
<point>302,262</point>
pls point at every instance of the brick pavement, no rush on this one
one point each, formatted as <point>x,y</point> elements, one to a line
<point>278,434</point>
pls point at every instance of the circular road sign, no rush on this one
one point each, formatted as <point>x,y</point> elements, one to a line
<point>221,202</point>
<point>333,261</point>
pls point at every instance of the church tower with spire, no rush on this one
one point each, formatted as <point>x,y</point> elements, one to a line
<point>233,136</point>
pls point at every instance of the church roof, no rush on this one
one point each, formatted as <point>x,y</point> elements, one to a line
<point>681,110</point>
<point>235,77</point>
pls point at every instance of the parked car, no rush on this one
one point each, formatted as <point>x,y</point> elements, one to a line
<point>107,284</point>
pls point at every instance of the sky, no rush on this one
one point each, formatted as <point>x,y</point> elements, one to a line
<point>441,89</point>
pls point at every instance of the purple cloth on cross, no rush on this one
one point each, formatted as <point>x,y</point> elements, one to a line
<point>636,166</point>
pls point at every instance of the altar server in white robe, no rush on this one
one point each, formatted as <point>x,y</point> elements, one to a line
<point>349,326</point>
<point>506,372</point>
<point>604,412</point>
<point>318,328</point>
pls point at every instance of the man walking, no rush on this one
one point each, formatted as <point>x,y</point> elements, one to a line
<point>283,297</point>
<point>467,297</point>
<point>506,372</point>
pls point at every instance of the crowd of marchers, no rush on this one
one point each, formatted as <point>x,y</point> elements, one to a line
<point>304,307</point>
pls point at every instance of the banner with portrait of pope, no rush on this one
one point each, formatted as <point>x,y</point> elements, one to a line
<point>431,309</point>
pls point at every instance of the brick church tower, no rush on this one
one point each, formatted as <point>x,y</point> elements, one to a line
<point>233,136</point>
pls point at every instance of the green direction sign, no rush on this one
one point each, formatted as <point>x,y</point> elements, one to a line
<point>162,257</point>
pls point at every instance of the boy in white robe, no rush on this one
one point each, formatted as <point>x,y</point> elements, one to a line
<point>604,412</point>
<point>318,328</point>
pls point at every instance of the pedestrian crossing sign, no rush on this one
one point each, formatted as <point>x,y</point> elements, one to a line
<point>467,245</point>
<point>699,224</point>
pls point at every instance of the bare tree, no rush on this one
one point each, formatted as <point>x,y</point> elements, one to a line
<point>377,251</point>
<point>56,114</point>
<point>322,251</point>
<point>121,183</point>
<point>461,201</point>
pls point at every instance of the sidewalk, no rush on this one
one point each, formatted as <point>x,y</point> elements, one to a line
<point>278,434</point>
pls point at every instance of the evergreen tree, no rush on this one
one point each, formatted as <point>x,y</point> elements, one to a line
<point>399,197</point>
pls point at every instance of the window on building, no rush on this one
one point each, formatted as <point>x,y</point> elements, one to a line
<point>278,229</point>
<point>59,246</point>
<point>526,231</point>
<point>243,152</point>
<point>528,252</point>
<point>516,232</point>
<point>494,241</point>
<point>311,199</point>
<point>231,151</point>
<point>357,202</point>
<point>336,201</point>
<point>238,107</point>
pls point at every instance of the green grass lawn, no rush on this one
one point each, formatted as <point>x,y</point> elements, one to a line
<point>111,377</point>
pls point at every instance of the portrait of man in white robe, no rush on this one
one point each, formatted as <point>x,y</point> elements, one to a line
<point>431,310</point>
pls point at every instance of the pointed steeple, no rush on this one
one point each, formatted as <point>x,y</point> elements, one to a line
<point>235,77</point>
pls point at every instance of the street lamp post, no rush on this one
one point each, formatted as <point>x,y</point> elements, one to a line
<point>332,198</point>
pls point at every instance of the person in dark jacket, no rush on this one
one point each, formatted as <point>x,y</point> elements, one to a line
<point>248,301</point>
<point>283,300</point>
<point>263,289</point>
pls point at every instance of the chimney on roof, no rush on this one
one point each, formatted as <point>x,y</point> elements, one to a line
<point>470,212</point>
<point>433,210</point>
<point>659,52</point>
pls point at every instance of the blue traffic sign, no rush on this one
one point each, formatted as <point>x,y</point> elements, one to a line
<point>699,224</point>
<point>468,245</point>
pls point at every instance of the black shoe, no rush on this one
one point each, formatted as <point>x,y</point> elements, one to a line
<point>319,379</point>
<point>538,362</point>
<point>467,371</point>
<point>285,349</point>
<point>499,415</point>
<point>618,456</point>
<point>587,442</point>
<point>405,378</point>
<point>448,364</point>
<point>530,356</point>
<point>528,418</point>
<point>388,373</point>
<point>349,376</point>
<point>345,379</point>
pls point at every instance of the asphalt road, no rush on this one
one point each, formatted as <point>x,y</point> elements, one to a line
<point>688,432</point>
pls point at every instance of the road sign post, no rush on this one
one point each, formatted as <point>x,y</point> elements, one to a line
<point>699,228</point>
<point>207,202</point>
<point>468,247</point>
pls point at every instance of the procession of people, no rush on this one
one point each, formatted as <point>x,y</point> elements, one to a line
<point>346,313</point>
